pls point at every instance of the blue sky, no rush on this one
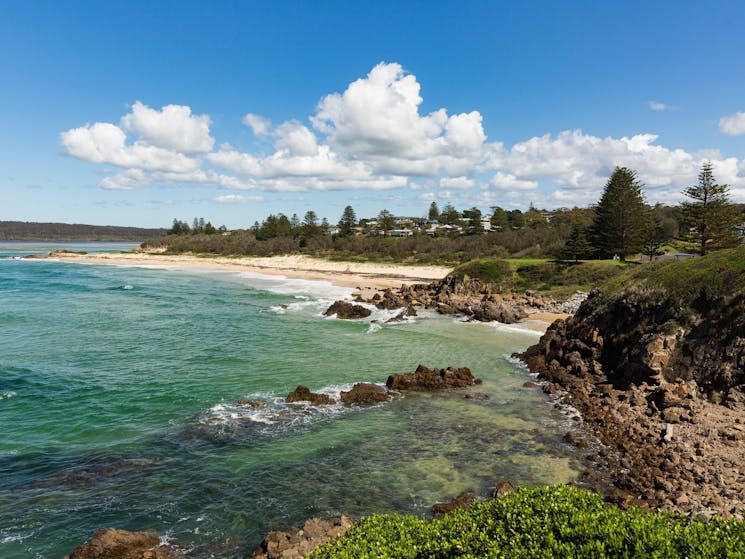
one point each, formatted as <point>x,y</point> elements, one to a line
<point>140,112</point>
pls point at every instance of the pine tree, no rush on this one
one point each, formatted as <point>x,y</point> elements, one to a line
<point>710,214</point>
<point>347,222</point>
<point>434,212</point>
<point>654,234</point>
<point>620,216</point>
<point>499,219</point>
<point>577,247</point>
<point>386,221</point>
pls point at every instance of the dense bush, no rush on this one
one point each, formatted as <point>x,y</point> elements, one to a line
<point>541,522</point>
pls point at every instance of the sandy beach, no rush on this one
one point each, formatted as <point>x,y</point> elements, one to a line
<point>366,277</point>
<point>347,274</point>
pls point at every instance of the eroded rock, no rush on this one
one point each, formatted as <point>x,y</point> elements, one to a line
<point>303,394</point>
<point>347,311</point>
<point>111,543</point>
<point>365,393</point>
<point>425,379</point>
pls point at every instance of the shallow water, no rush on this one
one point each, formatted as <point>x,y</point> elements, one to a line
<point>118,391</point>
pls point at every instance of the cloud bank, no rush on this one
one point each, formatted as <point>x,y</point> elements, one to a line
<point>373,136</point>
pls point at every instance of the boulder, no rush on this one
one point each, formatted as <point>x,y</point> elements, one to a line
<point>347,311</point>
<point>111,543</point>
<point>461,501</point>
<point>365,393</point>
<point>502,488</point>
<point>425,379</point>
<point>303,394</point>
<point>299,542</point>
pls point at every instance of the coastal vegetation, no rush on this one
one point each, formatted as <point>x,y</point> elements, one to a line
<point>541,522</point>
<point>29,231</point>
<point>622,225</point>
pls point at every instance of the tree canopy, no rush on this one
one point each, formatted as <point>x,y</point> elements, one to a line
<point>347,222</point>
<point>620,216</point>
<point>709,212</point>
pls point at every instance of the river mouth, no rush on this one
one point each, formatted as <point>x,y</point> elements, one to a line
<point>124,412</point>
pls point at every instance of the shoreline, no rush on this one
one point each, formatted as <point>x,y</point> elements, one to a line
<point>358,275</point>
<point>365,278</point>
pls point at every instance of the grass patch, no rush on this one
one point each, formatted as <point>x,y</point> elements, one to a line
<point>492,271</point>
<point>562,278</point>
<point>541,522</point>
<point>718,274</point>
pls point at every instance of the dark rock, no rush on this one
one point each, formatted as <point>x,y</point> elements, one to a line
<point>502,488</point>
<point>255,404</point>
<point>365,393</point>
<point>575,439</point>
<point>347,311</point>
<point>303,394</point>
<point>111,543</point>
<point>530,384</point>
<point>463,500</point>
<point>479,396</point>
<point>431,379</point>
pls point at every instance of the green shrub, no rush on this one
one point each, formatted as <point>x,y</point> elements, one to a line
<point>541,522</point>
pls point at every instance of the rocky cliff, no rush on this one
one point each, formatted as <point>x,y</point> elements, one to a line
<point>656,365</point>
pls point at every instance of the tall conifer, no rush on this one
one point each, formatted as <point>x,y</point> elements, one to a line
<point>620,216</point>
<point>709,213</point>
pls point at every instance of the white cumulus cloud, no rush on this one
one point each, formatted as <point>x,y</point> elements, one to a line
<point>733,125</point>
<point>259,125</point>
<point>103,142</point>
<point>173,127</point>
<point>373,136</point>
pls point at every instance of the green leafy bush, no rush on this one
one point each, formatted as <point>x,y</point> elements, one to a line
<point>553,522</point>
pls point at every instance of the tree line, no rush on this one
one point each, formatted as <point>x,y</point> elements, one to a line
<point>621,224</point>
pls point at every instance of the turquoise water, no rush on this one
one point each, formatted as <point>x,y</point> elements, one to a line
<point>118,407</point>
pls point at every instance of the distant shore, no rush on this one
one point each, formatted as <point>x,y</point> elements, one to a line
<point>346,274</point>
<point>366,277</point>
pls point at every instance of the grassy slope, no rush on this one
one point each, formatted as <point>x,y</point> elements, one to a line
<point>550,277</point>
<point>718,274</point>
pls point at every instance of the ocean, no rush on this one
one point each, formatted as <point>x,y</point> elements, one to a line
<point>119,390</point>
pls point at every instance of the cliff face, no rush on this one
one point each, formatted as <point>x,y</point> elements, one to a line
<point>656,369</point>
<point>642,336</point>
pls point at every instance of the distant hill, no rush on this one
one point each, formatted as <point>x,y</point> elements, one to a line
<point>29,231</point>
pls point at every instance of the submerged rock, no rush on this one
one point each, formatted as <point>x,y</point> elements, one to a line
<point>303,394</point>
<point>347,311</point>
<point>432,379</point>
<point>111,543</point>
<point>365,393</point>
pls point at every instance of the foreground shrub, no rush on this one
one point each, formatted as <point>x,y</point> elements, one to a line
<point>541,522</point>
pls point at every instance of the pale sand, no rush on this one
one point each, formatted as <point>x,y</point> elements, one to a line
<point>367,277</point>
<point>346,274</point>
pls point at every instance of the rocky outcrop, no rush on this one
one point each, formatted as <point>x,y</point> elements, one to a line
<point>463,500</point>
<point>347,311</point>
<point>471,298</point>
<point>365,393</point>
<point>660,385</point>
<point>299,542</point>
<point>303,394</point>
<point>432,379</point>
<point>120,544</point>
